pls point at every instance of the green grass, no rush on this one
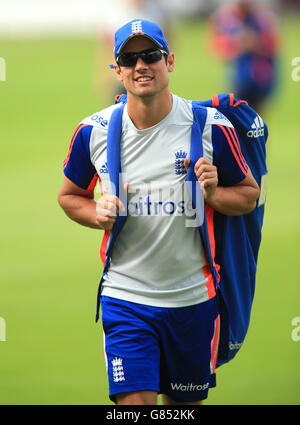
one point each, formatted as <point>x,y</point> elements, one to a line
<point>50,266</point>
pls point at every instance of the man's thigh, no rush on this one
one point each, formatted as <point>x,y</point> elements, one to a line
<point>132,347</point>
<point>189,347</point>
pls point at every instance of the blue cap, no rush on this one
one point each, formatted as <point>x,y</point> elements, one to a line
<point>139,27</point>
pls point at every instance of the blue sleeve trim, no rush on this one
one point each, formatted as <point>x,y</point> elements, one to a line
<point>77,165</point>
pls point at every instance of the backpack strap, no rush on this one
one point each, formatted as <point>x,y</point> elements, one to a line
<point>196,152</point>
<point>114,169</point>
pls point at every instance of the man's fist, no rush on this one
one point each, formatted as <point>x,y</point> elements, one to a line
<point>206,174</point>
<point>107,209</point>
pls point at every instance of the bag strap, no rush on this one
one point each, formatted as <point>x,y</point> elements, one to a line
<point>114,169</point>
<point>196,152</point>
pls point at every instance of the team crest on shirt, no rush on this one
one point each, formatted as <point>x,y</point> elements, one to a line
<point>180,156</point>
<point>118,370</point>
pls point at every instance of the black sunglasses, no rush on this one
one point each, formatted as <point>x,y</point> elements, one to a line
<point>148,56</point>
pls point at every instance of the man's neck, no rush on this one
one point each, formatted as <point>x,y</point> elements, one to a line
<point>145,112</point>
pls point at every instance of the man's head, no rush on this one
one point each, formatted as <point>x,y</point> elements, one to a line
<point>143,58</point>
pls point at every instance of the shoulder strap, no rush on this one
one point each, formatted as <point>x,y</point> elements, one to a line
<point>114,169</point>
<point>196,152</point>
<point>113,147</point>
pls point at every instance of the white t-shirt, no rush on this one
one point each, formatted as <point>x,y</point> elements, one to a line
<point>157,258</point>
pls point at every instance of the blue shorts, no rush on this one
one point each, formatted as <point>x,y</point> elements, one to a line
<point>168,350</point>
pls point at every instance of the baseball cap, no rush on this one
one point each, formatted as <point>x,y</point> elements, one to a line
<point>139,27</point>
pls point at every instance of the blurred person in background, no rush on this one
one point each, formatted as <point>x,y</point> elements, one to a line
<point>247,35</point>
<point>116,14</point>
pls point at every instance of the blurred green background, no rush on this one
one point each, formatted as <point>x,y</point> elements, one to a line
<point>50,266</point>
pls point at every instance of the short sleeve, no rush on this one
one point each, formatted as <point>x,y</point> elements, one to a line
<point>77,165</point>
<point>227,155</point>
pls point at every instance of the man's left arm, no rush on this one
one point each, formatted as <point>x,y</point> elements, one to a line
<point>228,184</point>
<point>229,200</point>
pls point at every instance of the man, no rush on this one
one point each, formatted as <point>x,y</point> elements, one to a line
<point>247,35</point>
<point>159,311</point>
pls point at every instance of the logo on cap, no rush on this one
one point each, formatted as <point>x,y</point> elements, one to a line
<point>136,27</point>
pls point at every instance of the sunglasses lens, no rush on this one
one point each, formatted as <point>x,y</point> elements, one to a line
<point>148,56</point>
<point>152,56</point>
<point>127,59</point>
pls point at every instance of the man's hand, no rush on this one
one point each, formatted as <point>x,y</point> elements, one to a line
<point>107,209</point>
<point>207,175</point>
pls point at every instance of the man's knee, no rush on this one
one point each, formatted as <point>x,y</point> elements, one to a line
<point>137,398</point>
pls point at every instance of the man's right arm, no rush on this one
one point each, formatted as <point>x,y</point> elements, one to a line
<point>80,206</point>
<point>76,196</point>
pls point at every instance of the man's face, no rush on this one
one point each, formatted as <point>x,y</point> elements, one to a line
<point>144,80</point>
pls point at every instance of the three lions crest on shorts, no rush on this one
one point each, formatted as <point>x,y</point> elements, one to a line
<point>118,371</point>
